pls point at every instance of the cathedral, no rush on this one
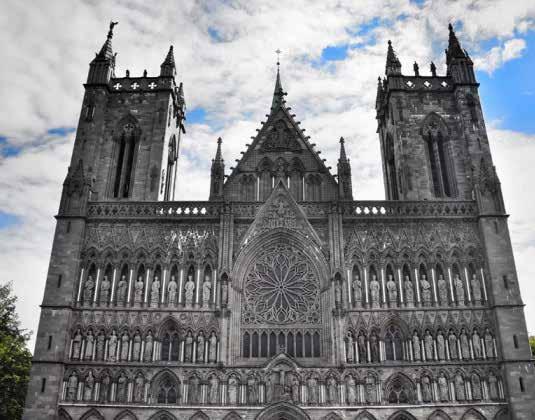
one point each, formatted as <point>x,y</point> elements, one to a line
<point>282,297</point>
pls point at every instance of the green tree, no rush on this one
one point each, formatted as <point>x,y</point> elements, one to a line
<point>15,358</point>
<point>532,344</point>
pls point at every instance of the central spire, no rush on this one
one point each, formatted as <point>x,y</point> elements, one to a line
<point>278,94</point>
<point>106,51</point>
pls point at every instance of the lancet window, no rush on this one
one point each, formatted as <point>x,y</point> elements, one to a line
<point>126,144</point>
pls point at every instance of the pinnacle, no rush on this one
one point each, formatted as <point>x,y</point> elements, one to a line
<point>393,66</point>
<point>278,93</point>
<point>106,52</point>
<point>343,156</point>
<point>170,58</point>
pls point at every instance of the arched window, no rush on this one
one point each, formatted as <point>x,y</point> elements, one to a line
<point>296,179</point>
<point>290,344</point>
<point>272,344</point>
<point>316,345</point>
<point>248,187</point>
<point>246,345</point>
<point>400,390</point>
<point>313,187</point>
<point>391,173</point>
<point>264,345</point>
<point>265,169</point>
<point>299,345</point>
<point>435,133</point>
<point>393,344</point>
<point>126,143</point>
<point>308,345</point>
<point>167,390</point>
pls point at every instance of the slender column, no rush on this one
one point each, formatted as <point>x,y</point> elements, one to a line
<point>366,284</point>
<point>383,285</point>
<point>349,294</point>
<point>142,352</point>
<point>417,282</point>
<point>180,285</point>
<point>130,350</point>
<point>433,277</point>
<point>483,282</point>
<point>356,352</point>
<point>368,351</point>
<point>80,285</point>
<point>162,300</point>
<point>471,345</point>
<point>214,287</point>
<point>422,351</point>
<point>435,353</point>
<point>197,285</point>
<point>97,285</point>
<point>451,285</point>
<point>130,285</point>
<point>483,349</point>
<point>257,188</point>
<point>146,294</point>
<point>112,296</point>
<point>448,357</point>
<point>194,352</point>
<point>467,281</point>
<point>400,281</point>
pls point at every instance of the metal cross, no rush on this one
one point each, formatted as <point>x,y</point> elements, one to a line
<point>152,85</point>
<point>117,86</point>
<point>278,56</point>
<point>134,85</point>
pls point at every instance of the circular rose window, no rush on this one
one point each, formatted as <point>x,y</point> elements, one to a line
<point>281,287</point>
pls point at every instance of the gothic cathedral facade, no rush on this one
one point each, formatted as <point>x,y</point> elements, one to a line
<point>281,297</point>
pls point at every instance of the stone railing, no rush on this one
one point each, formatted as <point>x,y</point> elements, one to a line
<point>349,209</point>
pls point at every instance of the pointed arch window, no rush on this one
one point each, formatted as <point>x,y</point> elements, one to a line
<point>126,145</point>
<point>172,155</point>
<point>435,132</point>
<point>391,173</point>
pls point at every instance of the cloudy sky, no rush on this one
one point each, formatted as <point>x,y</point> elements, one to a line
<point>332,53</point>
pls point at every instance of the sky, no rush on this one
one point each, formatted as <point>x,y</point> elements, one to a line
<point>332,53</point>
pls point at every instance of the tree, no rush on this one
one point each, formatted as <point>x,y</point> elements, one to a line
<point>532,344</point>
<point>15,358</point>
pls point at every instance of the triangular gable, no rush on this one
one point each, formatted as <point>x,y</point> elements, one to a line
<point>280,211</point>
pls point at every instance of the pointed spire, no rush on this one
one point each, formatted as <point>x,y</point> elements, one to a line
<point>393,65</point>
<point>217,174</point>
<point>168,67</point>
<point>106,52</point>
<point>218,157</point>
<point>278,94</point>
<point>343,156</point>
<point>380,93</point>
<point>454,46</point>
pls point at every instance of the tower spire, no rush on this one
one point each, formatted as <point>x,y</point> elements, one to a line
<point>102,67</point>
<point>278,94</point>
<point>460,65</point>
<point>106,52</point>
<point>393,65</point>
<point>345,188</point>
<point>168,67</point>
<point>217,174</point>
<point>454,46</point>
<point>343,156</point>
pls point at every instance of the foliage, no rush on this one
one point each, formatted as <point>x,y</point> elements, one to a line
<point>532,344</point>
<point>15,358</point>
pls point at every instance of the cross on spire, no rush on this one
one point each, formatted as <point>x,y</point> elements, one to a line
<point>278,52</point>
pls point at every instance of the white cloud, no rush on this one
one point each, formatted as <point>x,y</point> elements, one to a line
<point>499,55</point>
<point>47,49</point>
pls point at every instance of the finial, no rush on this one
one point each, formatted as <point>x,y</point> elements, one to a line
<point>112,24</point>
<point>450,27</point>
<point>416,69</point>
<point>389,43</point>
<point>219,140</point>
<point>278,52</point>
<point>342,140</point>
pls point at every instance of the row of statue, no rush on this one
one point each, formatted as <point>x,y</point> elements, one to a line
<point>124,348</point>
<point>393,298</point>
<point>282,386</point>
<point>363,349</point>
<point>154,298</point>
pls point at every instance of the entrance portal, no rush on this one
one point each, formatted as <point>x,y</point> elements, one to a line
<point>282,411</point>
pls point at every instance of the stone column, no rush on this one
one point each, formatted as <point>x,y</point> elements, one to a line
<point>467,283</point>
<point>164,289</point>
<point>128,297</point>
<point>113,284</point>
<point>180,285</point>
<point>80,284</point>
<point>434,280</point>
<point>146,291</point>
<point>97,285</point>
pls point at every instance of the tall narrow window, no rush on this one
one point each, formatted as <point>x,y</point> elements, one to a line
<point>521,383</point>
<point>170,171</point>
<point>515,341</point>
<point>49,346</point>
<point>308,345</point>
<point>299,345</point>
<point>272,345</point>
<point>246,345</point>
<point>263,345</point>
<point>124,161</point>
<point>391,173</point>
<point>316,345</point>
<point>175,348</point>
<point>59,280</point>
<point>166,345</point>
<point>255,345</point>
<point>290,344</point>
<point>43,384</point>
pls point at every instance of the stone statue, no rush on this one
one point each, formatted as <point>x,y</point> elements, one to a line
<point>89,385</point>
<point>138,291</point>
<point>442,290</point>
<point>124,347</point>
<point>392,291</point>
<point>224,294</point>
<point>136,348</point>
<point>428,344</point>
<point>452,345</point>
<point>489,344</point>
<point>375,289</point>
<point>252,393</point>
<point>357,290</point>
<point>312,388</point>
<point>441,346</point>
<point>460,394</point>
<point>374,347</point>
<point>351,390</point>
<point>427,396</point>
<point>139,389</point>
<point>112,347</point>
<point>171,291</point>
<point>190,289</point>
<point>476,345</point>
<point>89,288</point>
<point>350,347</point>
<point>213,390</point>
<point>426,290</point>
<point>206,291</point>
<point>121,388</point>
<point>476,387</point>
<point>149,342</point>
<point>476,289</point>
<point>369,390</point>
<point>295,389</point>
<point>194,391</point>
<point>332,391</point>
<point>270,388</point>
<point>459,290</point>
<point>101,342</point>
<point>155,292</point>
<point>443,390</point>
<point>233,390</point>
<point>416,346</point>
<point>72,387</point>
<point>493,387</point>
<point>188,347</point>
<point>200,348</point>
<point>104,389</point>
<point>337,294</point>
<point>76,345</point>
<point>362,348</point>
<point>465,346</point>
<point>212,356</point>
<point>105,290</point>
<point>122,289</point>
<point>89,345</point>
<point>409,291</point>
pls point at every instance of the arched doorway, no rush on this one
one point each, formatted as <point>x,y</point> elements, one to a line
<point>282,411</point>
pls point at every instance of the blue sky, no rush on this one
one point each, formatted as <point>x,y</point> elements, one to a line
<point>332,53</point>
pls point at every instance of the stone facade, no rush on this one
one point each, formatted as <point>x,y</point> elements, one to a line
<point>281,297</point>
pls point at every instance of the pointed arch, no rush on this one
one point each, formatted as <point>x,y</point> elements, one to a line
<point>126,140</point>
<point>283,409</point>
<point>439,415</point>
<point>162,415</point>
<point>232,416</point>
<point>332,416</point>
<point>63,415</point>
<point>473,414</point>
<point>399,389</point>
<point>402,415</point>
<point>125,415</point>
<point>365,415</point>
<point>199,415</point>
<point>92,414</point>
<point>503,414</point>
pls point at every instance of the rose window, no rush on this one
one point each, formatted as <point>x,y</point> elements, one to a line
<point>281,288</point>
